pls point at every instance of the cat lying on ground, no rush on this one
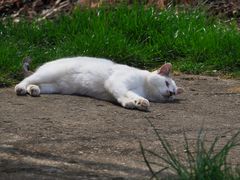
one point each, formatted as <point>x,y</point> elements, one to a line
<point>102,79</point>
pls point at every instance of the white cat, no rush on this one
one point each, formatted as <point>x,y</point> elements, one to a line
<point>102,79</point>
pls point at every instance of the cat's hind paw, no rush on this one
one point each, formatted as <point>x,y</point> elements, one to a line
<point>20,91</point>
<point>33,90</point>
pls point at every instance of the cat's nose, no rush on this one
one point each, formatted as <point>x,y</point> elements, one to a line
<point>171,93</point>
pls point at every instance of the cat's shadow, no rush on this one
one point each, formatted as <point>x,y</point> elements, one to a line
<point>175,101</point>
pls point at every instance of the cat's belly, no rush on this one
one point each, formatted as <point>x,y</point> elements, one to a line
<point>84,85</point>
<point>96,92</point>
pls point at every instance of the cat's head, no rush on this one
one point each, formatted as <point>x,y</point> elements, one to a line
<point>163,88</point>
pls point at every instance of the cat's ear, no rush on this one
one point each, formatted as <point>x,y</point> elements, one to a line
<point>165,69</point>
<point>179,90</point>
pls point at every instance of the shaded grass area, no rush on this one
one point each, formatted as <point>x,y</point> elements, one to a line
<point>136,35</point>
<point>205,162</point>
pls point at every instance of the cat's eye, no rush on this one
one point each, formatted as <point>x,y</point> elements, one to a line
<point>167,83</point>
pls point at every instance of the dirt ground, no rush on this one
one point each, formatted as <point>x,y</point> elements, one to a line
<point>73,137</point>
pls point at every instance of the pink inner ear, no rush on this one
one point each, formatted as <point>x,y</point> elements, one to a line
<point>165,69</point>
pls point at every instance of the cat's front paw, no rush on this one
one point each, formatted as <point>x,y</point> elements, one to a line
<point>142,104</point>
<point>33,90</point>
<point>20,91</point>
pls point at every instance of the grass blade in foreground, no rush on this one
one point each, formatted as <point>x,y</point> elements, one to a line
<point>202,164</point>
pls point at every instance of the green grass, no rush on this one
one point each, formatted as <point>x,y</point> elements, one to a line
<point>203,163</point>
<point>138,36</point>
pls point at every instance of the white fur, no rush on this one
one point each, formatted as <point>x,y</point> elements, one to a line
<point>101,79</point>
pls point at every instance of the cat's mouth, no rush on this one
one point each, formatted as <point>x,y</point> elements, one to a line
<point>169,94</point>
<point>169,97</point>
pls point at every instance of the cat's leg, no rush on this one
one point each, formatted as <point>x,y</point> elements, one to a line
<point>49,88</point>
<point>133,101</point>
<point>33,90</point>
<point>125,97</point>
<point>22,88</point>
<point>31,84</point>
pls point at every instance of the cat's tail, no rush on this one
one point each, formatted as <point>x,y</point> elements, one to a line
<point>26,65</point>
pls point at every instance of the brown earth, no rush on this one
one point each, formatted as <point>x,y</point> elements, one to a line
<point>73,137</point>
<point>48,9</point>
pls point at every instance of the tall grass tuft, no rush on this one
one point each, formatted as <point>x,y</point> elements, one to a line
<point>201,164</point>
<point>141,36</point>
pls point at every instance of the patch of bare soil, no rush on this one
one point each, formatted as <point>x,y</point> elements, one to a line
<point>49,9</point>
<point>73,137</point>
